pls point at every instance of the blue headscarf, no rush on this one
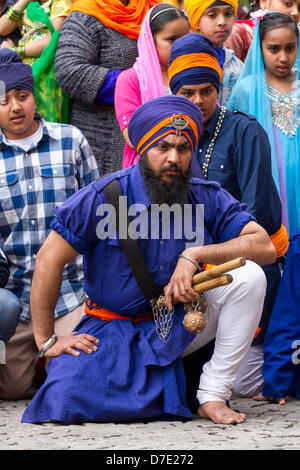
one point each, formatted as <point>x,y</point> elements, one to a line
<point>250,94</point>
<point>203,68</point>
<point>162,116</point>
<point>14,74</point>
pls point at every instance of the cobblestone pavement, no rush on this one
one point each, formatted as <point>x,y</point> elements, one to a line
<point>268,427</point>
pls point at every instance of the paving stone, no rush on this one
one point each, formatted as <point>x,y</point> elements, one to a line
<point>269,426</point>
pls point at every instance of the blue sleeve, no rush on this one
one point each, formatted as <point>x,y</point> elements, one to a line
<point>107,91</point>
<point>76,219</point>
<point>253,165</point>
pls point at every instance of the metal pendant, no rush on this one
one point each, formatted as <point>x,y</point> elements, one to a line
<point>194,320</point>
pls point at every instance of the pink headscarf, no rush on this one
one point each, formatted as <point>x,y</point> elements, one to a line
<point>147,65</point>
<point>147,68</point>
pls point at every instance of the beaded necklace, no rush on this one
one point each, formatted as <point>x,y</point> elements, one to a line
<point>212,142</point>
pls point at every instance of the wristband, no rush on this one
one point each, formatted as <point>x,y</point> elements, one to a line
<point>50,342</point>
<point>191,260</point>
<point>19,50</point>
<point>13,15</point>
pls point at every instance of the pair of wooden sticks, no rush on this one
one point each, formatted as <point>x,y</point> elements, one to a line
<point>215,277</point>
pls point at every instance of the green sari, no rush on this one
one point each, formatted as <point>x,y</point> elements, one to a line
<point>52,103</point>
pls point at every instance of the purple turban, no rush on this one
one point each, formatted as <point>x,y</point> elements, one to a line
<point>162,116</point>
<point>14,74</point>
<point>193,60</point>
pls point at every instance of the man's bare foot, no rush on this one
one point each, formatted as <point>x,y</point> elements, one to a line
<point>219,412</point>
<point>260,397</point>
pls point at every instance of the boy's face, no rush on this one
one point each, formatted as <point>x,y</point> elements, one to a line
<point>216,24</point>
<point>203,95</point>
<point>17,109</point>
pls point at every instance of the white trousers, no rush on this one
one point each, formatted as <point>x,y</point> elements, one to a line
<point>249,379</point>
<point>233,314</point>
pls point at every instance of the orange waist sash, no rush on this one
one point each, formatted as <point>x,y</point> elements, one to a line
<point>95,310</point>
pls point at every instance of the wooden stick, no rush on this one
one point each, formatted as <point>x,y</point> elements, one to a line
<point>216,271</point>
<point>214,277</point>
<point>222,280</point>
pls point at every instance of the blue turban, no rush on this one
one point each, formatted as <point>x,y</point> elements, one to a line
<point>193,60</point>
<point>14,74</point>
<point>162,116</point>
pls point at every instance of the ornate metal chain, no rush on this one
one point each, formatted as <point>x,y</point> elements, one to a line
<point>162,317</point>
<point>212,142</point>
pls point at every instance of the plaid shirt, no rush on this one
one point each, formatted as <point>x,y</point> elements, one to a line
<point>32,184</point>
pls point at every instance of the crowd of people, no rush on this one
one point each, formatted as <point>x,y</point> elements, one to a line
<point>186,104</point>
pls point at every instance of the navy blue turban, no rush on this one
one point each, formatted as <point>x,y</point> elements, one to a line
<point>156,118</point>
<point>14,74</point>
<point>193,61</point>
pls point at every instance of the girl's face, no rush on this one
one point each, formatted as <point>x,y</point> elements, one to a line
<point>165,38</point>
<point>289,7</point>
<point>279,50</point>
<point>216,24</point>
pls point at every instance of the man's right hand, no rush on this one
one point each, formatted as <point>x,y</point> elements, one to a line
<point>71,344</point>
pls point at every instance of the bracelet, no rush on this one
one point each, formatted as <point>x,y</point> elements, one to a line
<point>191,260</point>
<point>20,50</point>
<point>47,345</point>
<point>13,15</point>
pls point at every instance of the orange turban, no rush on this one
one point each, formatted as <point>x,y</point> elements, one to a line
<point>196,8</point>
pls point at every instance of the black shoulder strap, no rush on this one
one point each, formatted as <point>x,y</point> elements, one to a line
<point>137,263</point>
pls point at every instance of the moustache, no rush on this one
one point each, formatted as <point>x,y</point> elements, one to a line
<point>172,166</point>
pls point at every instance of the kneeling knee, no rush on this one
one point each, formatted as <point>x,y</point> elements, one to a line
<point>254,277</point>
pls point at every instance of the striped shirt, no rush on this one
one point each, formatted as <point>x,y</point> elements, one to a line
<point>32,183</point>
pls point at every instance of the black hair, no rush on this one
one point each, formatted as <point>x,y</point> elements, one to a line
<point>274,21</point>
<point>254,6</point>
<point>168,14</point>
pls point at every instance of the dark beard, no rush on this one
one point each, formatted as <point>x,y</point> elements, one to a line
<point>159,191</point>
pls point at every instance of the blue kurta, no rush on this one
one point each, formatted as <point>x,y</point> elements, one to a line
<point>281,369</point>
<point>133,375</point>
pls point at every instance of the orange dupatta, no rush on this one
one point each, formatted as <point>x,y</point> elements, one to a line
<point>115,15</point>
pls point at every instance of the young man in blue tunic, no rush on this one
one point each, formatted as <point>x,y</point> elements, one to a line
<point>120,364</point>
<point>234,150</point>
